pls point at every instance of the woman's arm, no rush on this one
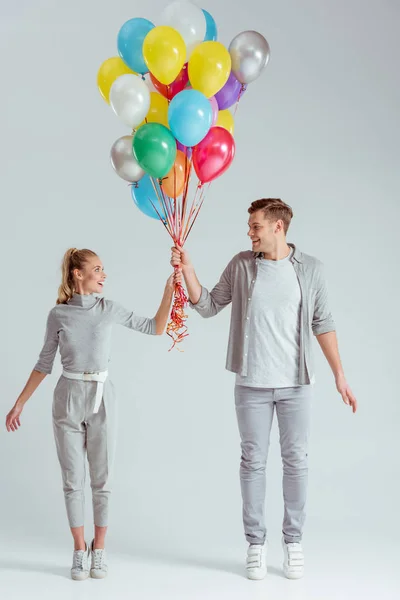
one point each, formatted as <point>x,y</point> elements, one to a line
<point>12,419</point>
<point>149,326</point>
<point>163,312</point>
<point>42,368</point>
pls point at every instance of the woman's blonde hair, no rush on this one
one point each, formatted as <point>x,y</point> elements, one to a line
<point>73,259</point>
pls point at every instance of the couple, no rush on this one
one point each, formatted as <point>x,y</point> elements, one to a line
<point>279,301</point>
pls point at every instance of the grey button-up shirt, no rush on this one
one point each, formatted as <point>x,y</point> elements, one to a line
<point>236,285</point>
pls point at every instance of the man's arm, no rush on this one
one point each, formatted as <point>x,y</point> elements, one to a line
<point>180,259</point>
<point>207,304</point>
<point>329,345</point>
<point>323,328</point>
<point>193,285</point>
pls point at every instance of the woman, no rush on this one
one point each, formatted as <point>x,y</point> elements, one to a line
<point>84,404</point>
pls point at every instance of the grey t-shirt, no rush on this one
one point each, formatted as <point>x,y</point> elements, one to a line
<point>274,332</point>
<point>82,330</point>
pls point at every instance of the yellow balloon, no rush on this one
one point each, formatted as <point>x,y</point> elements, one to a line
<point>209,68</point>
<point>110,70</point>
<point>225,120</point>
<point>164,53</point>
<point>158,111</point>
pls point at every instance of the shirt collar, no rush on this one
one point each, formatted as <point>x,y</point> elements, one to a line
<point>297,255</point>
<point>83,300</point>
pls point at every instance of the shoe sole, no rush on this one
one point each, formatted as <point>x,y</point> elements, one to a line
<point>292,575</point>
<point>79,577</point>
<point>255,577</point>
<point>98,575</point>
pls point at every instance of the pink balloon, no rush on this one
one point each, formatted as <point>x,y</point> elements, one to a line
<point>215,109</point>
<point>214,154</point>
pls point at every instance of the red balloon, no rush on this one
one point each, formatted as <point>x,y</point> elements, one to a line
<point>214,154</point>
<point>171,90</point>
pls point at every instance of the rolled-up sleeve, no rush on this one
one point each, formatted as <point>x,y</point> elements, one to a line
<point>211,303</point>
<point>48,352</point>
<point>322,318</point>
<point>127,318</point>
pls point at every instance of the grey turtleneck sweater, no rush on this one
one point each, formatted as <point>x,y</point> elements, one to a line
<point>82,329</point>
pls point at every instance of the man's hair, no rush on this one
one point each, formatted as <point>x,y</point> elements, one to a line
<point>273,209</point>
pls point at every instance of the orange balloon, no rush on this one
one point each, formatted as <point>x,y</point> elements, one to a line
<point>174,182</point>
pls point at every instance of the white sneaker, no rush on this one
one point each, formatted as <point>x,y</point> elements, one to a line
<point>256,565</point>
<point>293,560</point>
<point>99,566</point>
<point>80,564</point>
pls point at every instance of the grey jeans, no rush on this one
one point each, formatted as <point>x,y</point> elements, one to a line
<point>255,410</point>
<point>80,433</point>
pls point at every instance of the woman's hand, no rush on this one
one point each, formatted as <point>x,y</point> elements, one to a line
<point>173,279</point>
<point>12,419</point>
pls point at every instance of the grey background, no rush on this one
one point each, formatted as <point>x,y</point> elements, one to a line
<point>319,129</point>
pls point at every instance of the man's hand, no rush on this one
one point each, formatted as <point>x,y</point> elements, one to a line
<point>180,258</point>
<point>344,389</point>
<point>12,419</point>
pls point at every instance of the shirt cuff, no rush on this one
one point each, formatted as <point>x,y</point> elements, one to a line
<point>324,328</point>
<point>152,326</point>
<point>201,303</point>
<point>46,370</point>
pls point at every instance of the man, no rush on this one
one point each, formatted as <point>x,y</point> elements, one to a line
<point>279,300</point>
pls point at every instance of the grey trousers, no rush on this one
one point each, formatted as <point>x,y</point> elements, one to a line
<point>255,410</point>
<point>79,433</point>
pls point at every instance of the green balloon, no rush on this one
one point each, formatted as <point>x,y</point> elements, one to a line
<point>154,148</point>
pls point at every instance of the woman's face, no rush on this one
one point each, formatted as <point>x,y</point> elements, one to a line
<point>90,279</point>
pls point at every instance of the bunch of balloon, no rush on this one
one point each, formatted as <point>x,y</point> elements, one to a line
<point>174,85</point>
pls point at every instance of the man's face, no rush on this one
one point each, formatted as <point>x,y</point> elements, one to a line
<point>261,232</point>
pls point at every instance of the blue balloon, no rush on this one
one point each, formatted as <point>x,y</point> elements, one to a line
<point>144,197</point>
<point>190,117</point>
<point>211,31</point>
<point>130,43</point>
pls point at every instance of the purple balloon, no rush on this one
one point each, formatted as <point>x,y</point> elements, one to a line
<point>229,94</point>
<point>184,149</point>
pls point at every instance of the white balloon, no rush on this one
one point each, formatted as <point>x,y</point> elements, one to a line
<point>123,161</point>
<point>189,20</point>
<point>130,99</point>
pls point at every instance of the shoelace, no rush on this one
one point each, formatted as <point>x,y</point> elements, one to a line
<point>78,559</point>
<point>98,559</point>
<point>253,560</point>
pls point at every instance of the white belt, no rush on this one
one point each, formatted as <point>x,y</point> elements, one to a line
<point>100,377</point>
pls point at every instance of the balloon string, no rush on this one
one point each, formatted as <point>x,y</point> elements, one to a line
<point>242,90</point>
<point>191,211</point>
<point>188,169</point>
<point>163,205</point>
<point>178,221</point>
<point>196,214</point>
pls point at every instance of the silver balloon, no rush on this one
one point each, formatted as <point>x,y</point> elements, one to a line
<point>249,52</point>
<point>123,161</point>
